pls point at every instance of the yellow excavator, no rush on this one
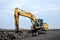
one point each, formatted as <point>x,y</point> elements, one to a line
<point>38,24</point>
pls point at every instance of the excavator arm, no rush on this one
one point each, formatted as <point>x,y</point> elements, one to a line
<point>22,13</point>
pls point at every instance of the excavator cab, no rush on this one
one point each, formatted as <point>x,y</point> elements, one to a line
<point>40,26</point>
<point>39,23</point>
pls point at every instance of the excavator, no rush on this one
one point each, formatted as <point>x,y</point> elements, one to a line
<point>37,24</point>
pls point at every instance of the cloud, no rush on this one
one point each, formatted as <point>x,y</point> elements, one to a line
<point>45,9</point>
<point>2,0</point>
<point>53,7</point>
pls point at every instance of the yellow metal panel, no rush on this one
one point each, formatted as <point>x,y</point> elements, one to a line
<point>45,26</point>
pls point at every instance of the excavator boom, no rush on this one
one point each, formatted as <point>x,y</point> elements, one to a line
<point>22,13</point>
<point>29,15</point>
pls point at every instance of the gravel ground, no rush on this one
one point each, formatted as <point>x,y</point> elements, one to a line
<point>49,35</point>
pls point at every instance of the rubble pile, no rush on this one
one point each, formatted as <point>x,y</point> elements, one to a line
<point>13,35</point>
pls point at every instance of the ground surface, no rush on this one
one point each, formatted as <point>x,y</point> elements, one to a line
<point>50,35</point>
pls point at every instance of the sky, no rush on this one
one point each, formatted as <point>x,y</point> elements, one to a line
<point>48,10</point>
